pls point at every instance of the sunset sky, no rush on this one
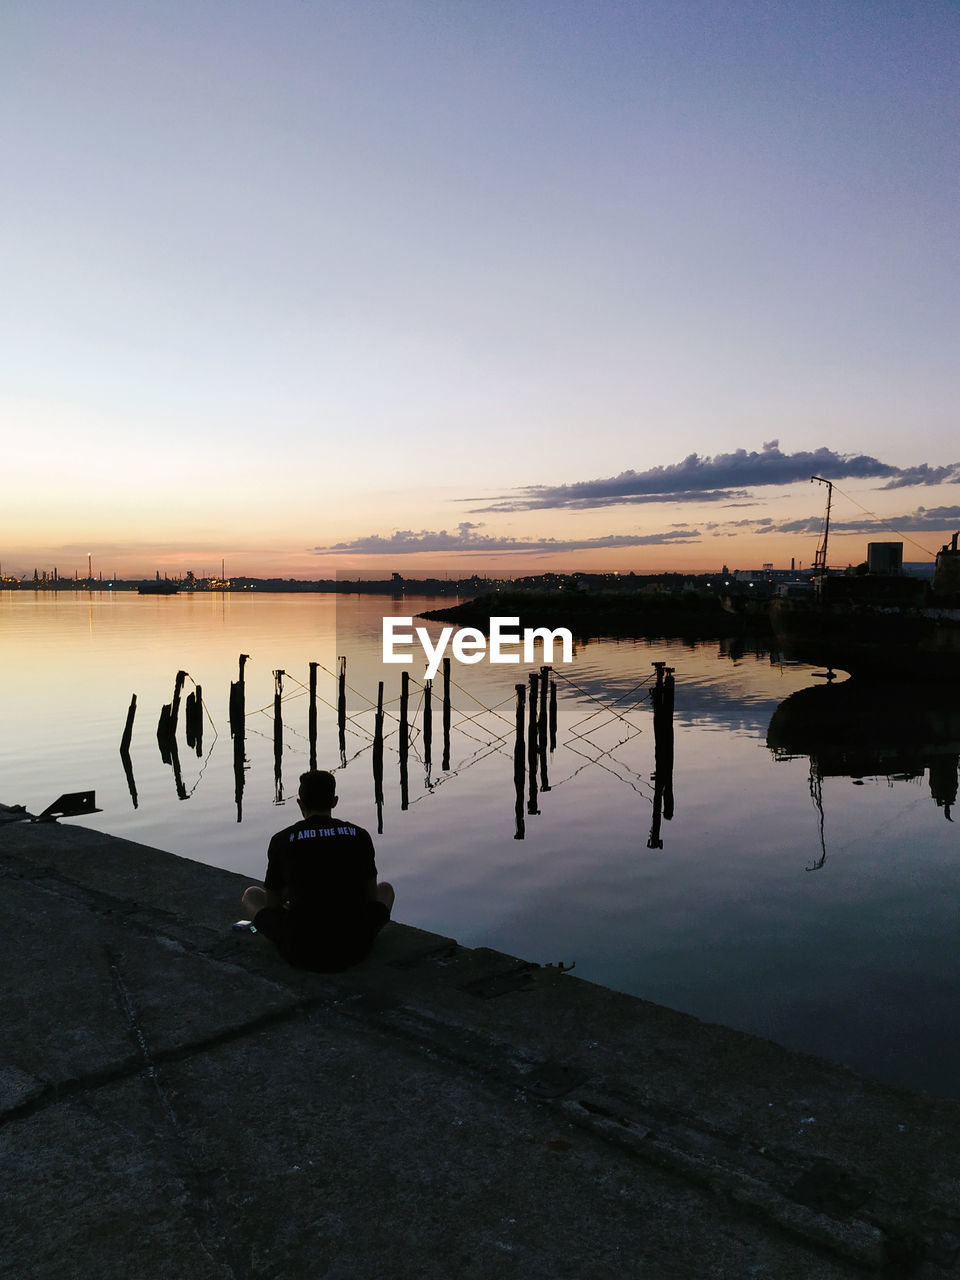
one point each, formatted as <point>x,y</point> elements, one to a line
<point>312,286</point>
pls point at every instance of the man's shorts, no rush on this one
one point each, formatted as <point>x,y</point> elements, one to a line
<point>328,950</point>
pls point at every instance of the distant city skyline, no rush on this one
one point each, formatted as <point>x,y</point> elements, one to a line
<point>313,289</point>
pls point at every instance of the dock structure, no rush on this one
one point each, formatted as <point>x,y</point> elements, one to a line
<point>176,1101</point>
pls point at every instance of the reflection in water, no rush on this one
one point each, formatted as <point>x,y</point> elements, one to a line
<point>866,729</point>
<point>125,750</point>
<point>342,709</point>
<point>519,768</point>
<point>404,744</point>
<point>445,764</point>
<point>728,929</point>
<point>278,736</point>
<point>532,748</point>
<point>378,759</point>
<point>194,720</point>
<point>662,697</point>
<point>238,720</point>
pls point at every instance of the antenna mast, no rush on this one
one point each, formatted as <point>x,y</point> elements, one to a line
<point>820,560</point>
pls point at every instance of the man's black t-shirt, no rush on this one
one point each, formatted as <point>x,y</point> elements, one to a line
<point>324,864</point>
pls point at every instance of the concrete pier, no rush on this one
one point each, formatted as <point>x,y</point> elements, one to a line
<point>175,1102</point>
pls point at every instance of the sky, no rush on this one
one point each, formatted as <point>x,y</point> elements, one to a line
<point>307,287</point>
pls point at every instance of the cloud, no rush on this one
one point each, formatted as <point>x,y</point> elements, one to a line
<point>724,478</point>
<point>924,474</point>
<point>467,539</point>
<point>917,521</point>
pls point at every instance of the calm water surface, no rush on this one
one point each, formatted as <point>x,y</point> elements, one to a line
<point>822,915</point>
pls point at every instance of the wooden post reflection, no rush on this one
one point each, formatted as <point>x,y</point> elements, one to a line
<point>342,710</point>
<point>519,768</point>
<point>128,726</point>
<point>446,714</point>
<point>194,720</point>
<point>427,725</point>
<point>125,750</point>
<point>404,744</point>
<point>532,746</point>
<point>542,728</point>
<point>277,736</point>
<point>238,764</point>
<point>662,697</point>
<point>378,759</point>
<point>238,722</point>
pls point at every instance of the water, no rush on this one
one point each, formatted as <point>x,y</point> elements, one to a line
<point>821,915</point>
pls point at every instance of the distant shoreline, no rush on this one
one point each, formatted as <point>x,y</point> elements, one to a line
<point>610,614</point>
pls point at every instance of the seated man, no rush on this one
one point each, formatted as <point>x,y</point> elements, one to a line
<point>321,904</point>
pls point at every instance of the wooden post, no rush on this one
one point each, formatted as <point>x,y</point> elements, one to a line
<point>238,709</point>
<point>128,727</point>
<point>427,723</point>
<point>553,715</point>
<point>169,713</point>
<point>238,729</point>
<point>312,715</point>
<point>175,705</point>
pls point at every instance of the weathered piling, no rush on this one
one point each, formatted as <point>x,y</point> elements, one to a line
<point>553,715</point>
<point>519,765</point>
<point>170,712</point>
<point>404,743</point>
<point>238,708</point>
<point>312,715</point>
<point>175,705</point>
<point>445,763</point>
<point>427,723</point>
<point>128,727</point>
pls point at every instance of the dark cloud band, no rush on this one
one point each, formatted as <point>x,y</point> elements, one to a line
<point>722,478</point>
<point>467,539</point>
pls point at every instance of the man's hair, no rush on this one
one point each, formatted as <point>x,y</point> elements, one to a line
<point>318,789</point>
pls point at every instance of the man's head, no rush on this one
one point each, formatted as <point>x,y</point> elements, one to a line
<point>318,791</point>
